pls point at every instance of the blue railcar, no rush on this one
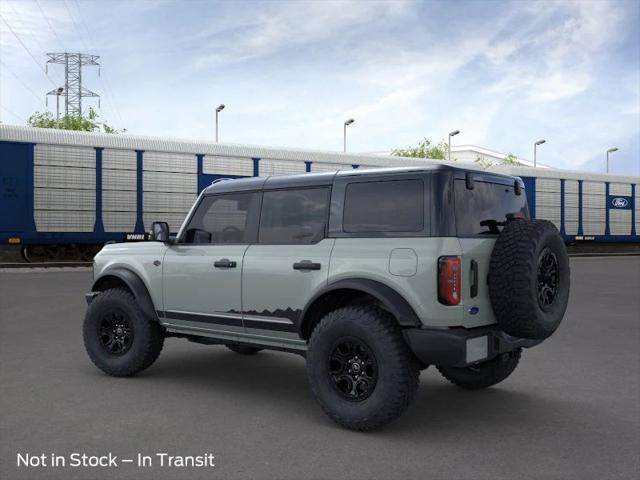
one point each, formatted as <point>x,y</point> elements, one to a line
<point>585,206</point>
<point>65,193</point>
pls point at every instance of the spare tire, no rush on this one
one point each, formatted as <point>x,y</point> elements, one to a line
<point>529,278</point>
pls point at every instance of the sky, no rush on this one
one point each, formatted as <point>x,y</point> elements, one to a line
<point>290,73</point>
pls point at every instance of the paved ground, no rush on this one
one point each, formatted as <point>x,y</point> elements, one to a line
<point>571,410</point>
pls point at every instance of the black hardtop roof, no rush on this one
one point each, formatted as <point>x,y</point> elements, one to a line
<point>327,178</point>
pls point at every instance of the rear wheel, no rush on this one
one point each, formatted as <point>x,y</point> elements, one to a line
<point>483,375</point>
<point>118,337</point>
<point>360,369</point>
<point>243,349</point>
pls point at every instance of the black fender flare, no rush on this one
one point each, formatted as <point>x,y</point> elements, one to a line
<point>135,284</point>
<point>390,298</point>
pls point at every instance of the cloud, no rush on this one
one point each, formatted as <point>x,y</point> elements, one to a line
<point>267,28</point>
<point>291,72</point>
<point>552,63</point>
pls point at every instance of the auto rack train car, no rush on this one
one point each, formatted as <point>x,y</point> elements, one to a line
<point>584,206</point>
<point>63,194</point>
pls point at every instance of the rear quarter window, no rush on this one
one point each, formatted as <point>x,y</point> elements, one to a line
<point>483,210</point>
<point>384,206</point>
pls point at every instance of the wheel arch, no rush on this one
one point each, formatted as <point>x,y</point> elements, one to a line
<point>122,277</point>
<point>344,291</point>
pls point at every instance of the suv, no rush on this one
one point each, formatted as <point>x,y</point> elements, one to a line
<point>371,275</point>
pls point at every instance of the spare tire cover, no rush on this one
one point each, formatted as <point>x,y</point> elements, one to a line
<point>529,278</point>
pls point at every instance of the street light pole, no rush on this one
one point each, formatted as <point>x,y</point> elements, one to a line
<point>452,134</point>
<point>344,133</point>
<point>535,152</point>
<point>218,110</point>
<point>58,93</point>
<point>611,150</point>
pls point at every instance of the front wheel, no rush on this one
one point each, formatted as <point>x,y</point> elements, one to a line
<point>360,369</point>
<point>118,337</point>
<point>483,375</point>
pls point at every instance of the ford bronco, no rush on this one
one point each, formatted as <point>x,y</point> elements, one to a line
<point>372,275</point>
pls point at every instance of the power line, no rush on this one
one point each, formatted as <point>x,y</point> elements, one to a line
<point>9,111</point>
<point>110,96</point>
<point>22,23</point>
<point>27,49</point>
<point>75,25</point>
<point>23,83</point>
<point>50,25</point>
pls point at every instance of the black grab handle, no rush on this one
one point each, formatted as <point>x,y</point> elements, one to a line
<point>306,265</point>
<point>224,263</point>
<point>474,279</point>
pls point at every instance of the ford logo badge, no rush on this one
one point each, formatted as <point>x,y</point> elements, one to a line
<point>620,202</point>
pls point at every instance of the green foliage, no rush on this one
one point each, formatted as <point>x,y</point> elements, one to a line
<point>510,159</point>
<point>88,123</point>
<point>425,149</point>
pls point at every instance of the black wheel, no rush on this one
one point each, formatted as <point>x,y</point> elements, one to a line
<point>529,279</point>
<point>484,374</point>
<point>360,369</point>
<point>118,337</point>
<point>243,349</point>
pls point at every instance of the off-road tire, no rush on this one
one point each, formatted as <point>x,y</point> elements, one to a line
<point>243,349</point>
<point>484,374</point>
<point>514,278</point>
<point>148,335</point>
<point>397,369</point>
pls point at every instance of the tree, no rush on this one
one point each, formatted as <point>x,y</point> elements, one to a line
<point>425,149</point>
<point>89,123</point>
<point>510,159</point>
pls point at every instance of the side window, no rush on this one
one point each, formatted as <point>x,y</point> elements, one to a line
<point>385,206</point>
<point>221,219</point>
<point>295,216</point>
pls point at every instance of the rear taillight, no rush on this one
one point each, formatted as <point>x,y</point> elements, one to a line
<point>449,280</point>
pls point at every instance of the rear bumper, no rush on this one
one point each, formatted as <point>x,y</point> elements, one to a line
<point>460,347</point>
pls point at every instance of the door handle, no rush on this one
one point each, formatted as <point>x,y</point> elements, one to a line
<point>224,263</point>
<point>474,279</point>
<point>306,265</point>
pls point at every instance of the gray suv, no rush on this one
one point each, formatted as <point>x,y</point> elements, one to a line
<point>372,275</point>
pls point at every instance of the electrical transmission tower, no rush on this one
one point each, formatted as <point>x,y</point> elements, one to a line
<point>73,91</point>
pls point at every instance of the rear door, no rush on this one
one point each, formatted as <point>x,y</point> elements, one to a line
<point>480,214</point>
<point>288,264</point>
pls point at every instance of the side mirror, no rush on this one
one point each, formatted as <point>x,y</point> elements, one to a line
<point>160,232</point>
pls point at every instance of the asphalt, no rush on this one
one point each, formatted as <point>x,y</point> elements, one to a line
<point>571,409</point>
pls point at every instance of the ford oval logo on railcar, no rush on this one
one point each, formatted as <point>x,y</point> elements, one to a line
<point>619,202</point>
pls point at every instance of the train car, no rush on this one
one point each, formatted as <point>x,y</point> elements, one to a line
<point>584,206</point>
<point>65,193</point>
